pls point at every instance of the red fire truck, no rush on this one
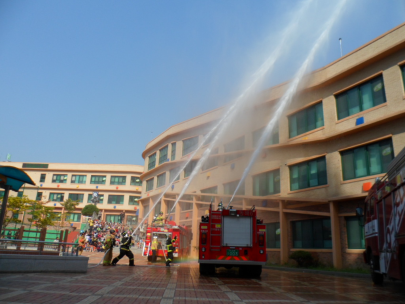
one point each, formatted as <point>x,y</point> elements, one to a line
<point>232,238</point>
<point>161,232</point>
<point>384,224</point>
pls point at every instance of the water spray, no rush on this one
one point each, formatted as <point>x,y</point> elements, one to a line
<point>289,94</point>
<point>225,120</point>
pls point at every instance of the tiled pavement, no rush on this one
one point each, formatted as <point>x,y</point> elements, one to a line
<point>183,284</point>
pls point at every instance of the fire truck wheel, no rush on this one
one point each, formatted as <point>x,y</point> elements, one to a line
<point>256,271</point>
<point>376,277</point>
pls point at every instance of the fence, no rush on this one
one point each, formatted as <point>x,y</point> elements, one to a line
<point>16,246</point>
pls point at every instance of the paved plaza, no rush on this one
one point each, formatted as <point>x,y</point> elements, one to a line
<point>182,283</point>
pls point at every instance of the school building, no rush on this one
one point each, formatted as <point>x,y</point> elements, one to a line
<point>118,188</point>
<point>336,137</point>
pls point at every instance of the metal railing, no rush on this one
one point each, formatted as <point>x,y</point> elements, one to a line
<point>38,247</point>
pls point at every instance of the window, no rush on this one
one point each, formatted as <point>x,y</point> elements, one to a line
<point>79,179</point>
<point>209,139</point>
<point>115,199</point>
<point>110,218</point>
<point>118,180</point>
<point>161,180</point>
<point>39,196</point>
<point>308,174</point>
<point>312,234</point>
<point>273,235</point>
<point>361,98</point>
<point>306,120</point>
<point>56,197</point>
<point>189,168</point>
<point>211,162</point>
<point>20,194</point>
<point>2,193</point>
<point>189,145</point>
<point>39,166</point>
<point>15,215</point>
<point>173,155</point>
<point>59,178</point>
<point>274,137</point>
<point>136,181</point>
<point>152,161</point>
<point>98,179</point>
<point>73,217</point>
<point>207,198</point>
<point>149,184</point>
<point>266,183</point>
<point>42,178</point>
<point>403,74</point>
<point>355,233</point>
<point>100,198</point>
<point>235,145</point>
<point>367,160</point>
<point>230,188</point>
<point>133,200</point>
<point>76,197</point>
<point>172,173</point>
<point>163,155</point>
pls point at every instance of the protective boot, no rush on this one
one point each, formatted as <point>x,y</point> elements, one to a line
<point>131,262</point>
<point>114,262</point>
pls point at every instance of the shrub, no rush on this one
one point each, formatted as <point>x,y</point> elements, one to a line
<point>303,258</point>
<point>89,209</point>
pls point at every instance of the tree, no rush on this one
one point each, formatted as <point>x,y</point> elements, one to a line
<point>89,209</point>
<point>41,216</point>
<point>16,205</point>
<point>69,206</point>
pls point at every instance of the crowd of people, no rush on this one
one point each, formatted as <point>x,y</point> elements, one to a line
<point>94,238</point>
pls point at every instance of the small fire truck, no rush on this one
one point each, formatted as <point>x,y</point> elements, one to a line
<point>169,228</point>
<point>232,238</point>
<point>384,227</point>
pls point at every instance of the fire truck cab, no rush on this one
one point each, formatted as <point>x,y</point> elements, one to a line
<point>232,238</point>
<point>384,226</point>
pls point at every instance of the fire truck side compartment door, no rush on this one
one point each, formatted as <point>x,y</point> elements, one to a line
<point>237,231</point>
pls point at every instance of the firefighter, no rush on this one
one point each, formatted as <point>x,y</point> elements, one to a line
<point>154,248</point>
<point>170,249</point>
<point>82,243</point>
<point>220,207</point>
<point>159,219</point>
<point>108,246</point>
<point>125,249</point>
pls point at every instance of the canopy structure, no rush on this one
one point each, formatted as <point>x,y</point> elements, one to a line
<point>11,178</point>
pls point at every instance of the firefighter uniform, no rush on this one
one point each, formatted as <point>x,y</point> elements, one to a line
<point>82,242</point>
<point>154,248</point>
<point>108,246</point>
<point>170,249</point>
<point>125,250</point>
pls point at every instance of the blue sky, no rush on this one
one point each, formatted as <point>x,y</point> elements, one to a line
<point>95,81</point>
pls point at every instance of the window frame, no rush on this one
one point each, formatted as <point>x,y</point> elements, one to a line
<point>111,196</point>
<point>241,190</point>
<point>55,178</point>
<point>122,180</point>
<point>166,159</point>
<point>228,148</point>
<point>52,194</point>
<point>308,173</point>
<point>100,200</point>
<point>305,112</point>
<point>173,151</point>
<point>345,152</point>
<point>135,183</point>
<point>266,182</point>
<point>257,134</point>
<point>190,168</point>
<point>152,161</point>
<point>78,194</point>
<point>78,175</point>
<point>42,178</point>
<point>170,174</point>
<point>191,148</point>
<point>312,233</point>
<point>148,183</point>
<point>103,177</point>
<point>135,202</point>
<point>357,87</point>
<point>274,226</point>
<point>159,178</point>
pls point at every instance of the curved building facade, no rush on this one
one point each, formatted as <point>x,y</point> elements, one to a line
<point>338,134</point>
